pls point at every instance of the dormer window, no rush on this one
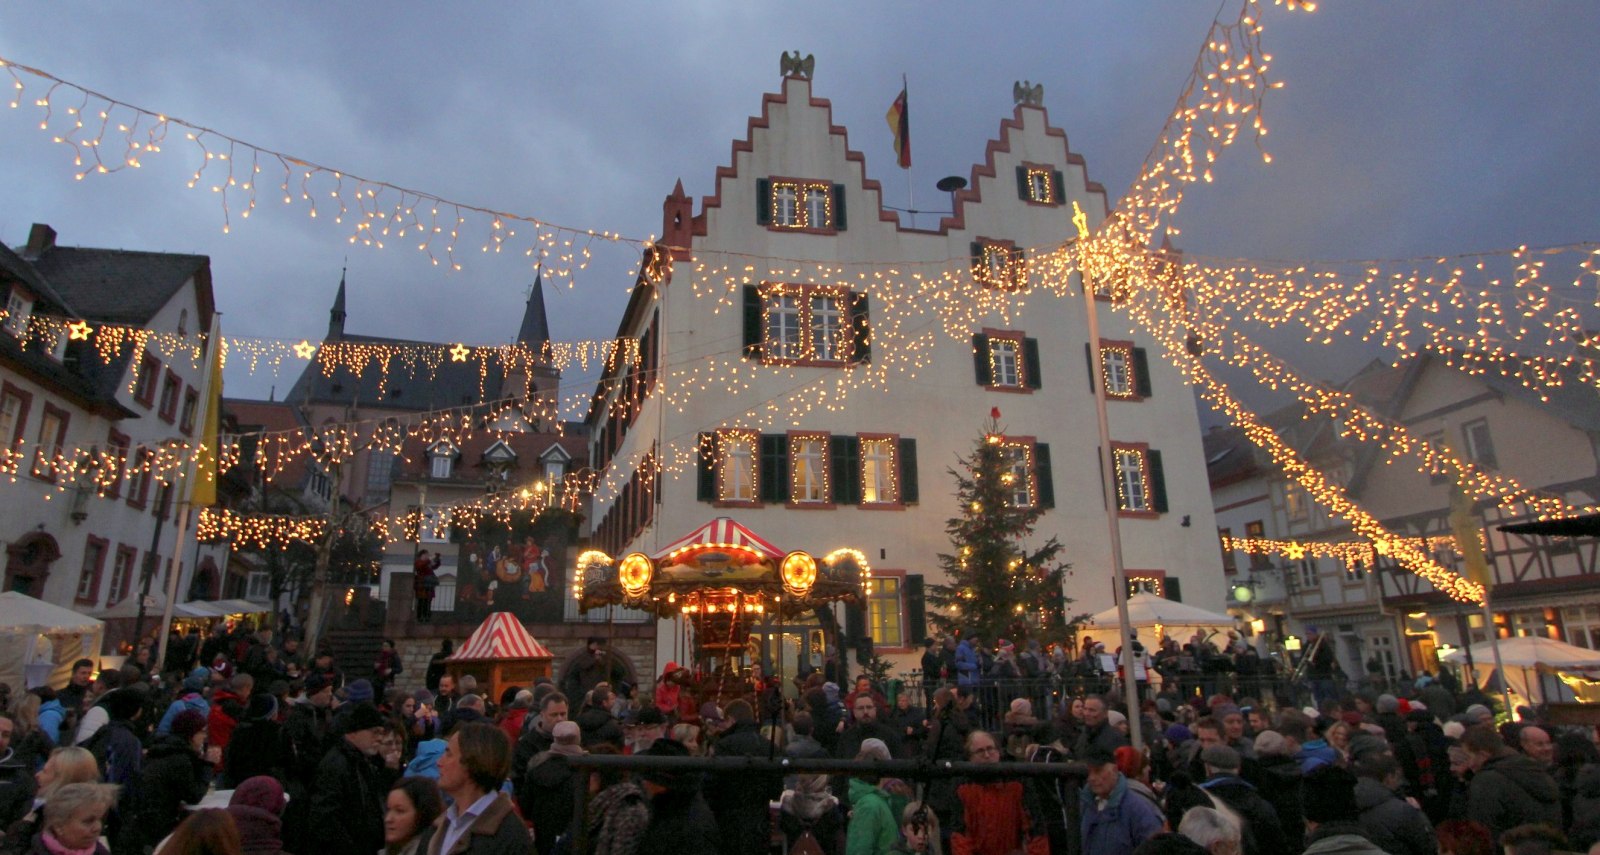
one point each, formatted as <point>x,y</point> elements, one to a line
<point>1040,184</point>
<point>18,309</point>
<point>798,204</point>
<point>555,462</point>
<point>442,459</point>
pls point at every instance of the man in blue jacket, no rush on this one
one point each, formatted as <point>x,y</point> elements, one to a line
<point>968,667</point>
<point>1115,818</point>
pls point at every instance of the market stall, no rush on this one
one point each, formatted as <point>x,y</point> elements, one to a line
<point>1155,616</point>
<point>500,653</point>
<point>1537,669</point>
<point>39,641</point>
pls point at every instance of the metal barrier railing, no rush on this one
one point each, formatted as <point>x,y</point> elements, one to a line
<point>1070,774</point>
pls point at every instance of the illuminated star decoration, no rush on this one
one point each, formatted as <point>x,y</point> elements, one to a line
<point>80,330</point>
<point>304,349</point>
<point>1080,219</point>
<point>459,353</point>
<point>1294,551</point>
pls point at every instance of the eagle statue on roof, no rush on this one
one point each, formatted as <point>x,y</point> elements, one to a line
<point>1028,92</point>
<point>792,64</point>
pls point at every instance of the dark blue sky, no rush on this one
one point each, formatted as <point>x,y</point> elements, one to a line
<point>1405,129</point>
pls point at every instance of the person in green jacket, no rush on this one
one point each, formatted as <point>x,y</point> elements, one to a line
<point>873,829</point>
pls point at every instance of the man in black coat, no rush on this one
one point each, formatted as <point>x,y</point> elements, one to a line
<point>547,791</point>
<point>175,774</point>
<point>1097,729</point>
<point>1277,777</point>
<point>597,722</point>
<point>1263,833</point>
<point>348,797</point>
<point>741,802</point>
<point>541,735</point>
<point>680,820</point>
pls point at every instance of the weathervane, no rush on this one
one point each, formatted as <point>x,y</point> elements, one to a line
<point>792,64</point>
<point>1028,93</point>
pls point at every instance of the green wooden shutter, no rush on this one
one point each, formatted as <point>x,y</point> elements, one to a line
<point>844,459</point>
<point>1030,365</point>
<point>754,320</point>
<point>706,476</point>
<point>916,600</point>
<point>1158,482</point>
<point>1141,372</point>
<point>1088,362</point>
<point>860,328</point>
<point>908,471</point>
<point>1022,184</point>
<point>1172,589</point>
<point>1042,475</point>
<point>1059,186</point>
<point>839,220</point>
<point>775,468</point>
<point>980,271</point>
<point>980,359</point>
<point>763,202</point>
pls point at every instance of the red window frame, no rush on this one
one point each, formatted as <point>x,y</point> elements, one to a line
<point>1159,577</point>
<point>191,409</point>
<point>899,503</point>
<point>119,593</point>
<point>171,393</point>
<point>119,445</point>
<point>139,478</point>
<point>1133,371</point>
<point>49,471</point>
<point>144,380</point>
<point>800,206</point>
<point>792,446</point>
<point>25,400</point>
<point>94,573</point>
<point>1020,340</point>
<point>1028,442</point>
<point>805,291</point>
<point>1143,449</point>
<point>1017,274</point>
<point>755,468</point>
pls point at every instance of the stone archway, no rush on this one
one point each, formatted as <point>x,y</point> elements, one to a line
<point>28,563</point>
<point>568,660</point>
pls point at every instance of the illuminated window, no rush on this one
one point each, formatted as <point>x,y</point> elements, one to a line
<point>1005,362</point>
<point>878,471</point>
<point>18,308</point>
<point>1005,359</point>
<point>1124,372</point>
<point>784,337</point>
<point>827,334</point>
<point>1296,503</point>
<point>1478,444</point>
<point>1018,472</point>
<point>884,612</point>
<point>806,324</point>
<point>442,461</point>
<point>1119,380</point>
<point>1145,583</point>
<point>738,466</point>
<point>799,205</point>
<point>1257,530</point>
<point>1039,184</point>
<point>808,468</point>
<point>998,264</point>
<point>1133,493</point>
<point>52,443</point>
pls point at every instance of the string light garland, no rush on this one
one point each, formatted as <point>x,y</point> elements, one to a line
<point>1350,552</point>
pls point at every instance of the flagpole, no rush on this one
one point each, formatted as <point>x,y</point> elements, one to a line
<point>911,197</point>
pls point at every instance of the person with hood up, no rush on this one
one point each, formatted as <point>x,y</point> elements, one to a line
<point>809,809</point>
<point>229,707</point>
<point>257,809</point>
<point>1277,776</point>
<point>969,667</point>
<point>1387,819</point>
<point>253,748</point>
<point>1333,816</point>
<point>680,820</point>
<point>548,792</point>
<point>191,697</point>
<point>668,689</point>
<point>1264,832</point>
<point>1507,789</point>
<point>873,829</point>
<point>177,771</point>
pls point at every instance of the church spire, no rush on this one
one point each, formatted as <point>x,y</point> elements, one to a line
<point>535,326</point>
<point>336,314</point>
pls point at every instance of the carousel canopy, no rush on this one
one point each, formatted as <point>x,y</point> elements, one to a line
<point>501,636</point>
<point>721,533</point>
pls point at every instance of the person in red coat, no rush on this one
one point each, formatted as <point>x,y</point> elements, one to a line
<point>228,707</point>
<point>993,817</point>
<point>424,581</point>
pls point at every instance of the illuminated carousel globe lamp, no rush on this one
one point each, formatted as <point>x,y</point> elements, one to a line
<point>634,574</point>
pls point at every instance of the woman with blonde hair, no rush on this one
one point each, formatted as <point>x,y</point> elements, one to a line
<point>73,819</point>
<point>66,766</point>
<point>689,735</point>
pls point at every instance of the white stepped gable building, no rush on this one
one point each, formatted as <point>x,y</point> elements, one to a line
<point>870,471</point>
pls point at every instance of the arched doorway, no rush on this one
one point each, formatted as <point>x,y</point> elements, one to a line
<point>28,563</point>
<point>206,584</point>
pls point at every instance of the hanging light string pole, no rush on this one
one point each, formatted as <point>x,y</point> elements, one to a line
<point>1108,489</point>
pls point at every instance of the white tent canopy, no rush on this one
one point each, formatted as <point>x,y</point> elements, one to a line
<point>39,641</point>
<point>1148,611</point>
<point>1531,660</point>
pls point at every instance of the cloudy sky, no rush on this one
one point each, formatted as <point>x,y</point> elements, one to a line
<point>1405,129</point>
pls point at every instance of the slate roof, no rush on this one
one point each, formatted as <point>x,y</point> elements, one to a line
<point>123,286</point>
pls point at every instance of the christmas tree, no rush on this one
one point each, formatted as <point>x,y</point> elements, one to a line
<point>997,588</point>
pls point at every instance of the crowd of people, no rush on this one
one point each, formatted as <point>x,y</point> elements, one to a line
<point>254,751</point>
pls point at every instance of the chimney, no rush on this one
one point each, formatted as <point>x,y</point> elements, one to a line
<point>41,238</point>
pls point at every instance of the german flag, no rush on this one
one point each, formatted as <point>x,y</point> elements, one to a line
<point>900,123</point>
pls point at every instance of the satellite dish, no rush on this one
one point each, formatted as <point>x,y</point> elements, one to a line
<point>952,183</point>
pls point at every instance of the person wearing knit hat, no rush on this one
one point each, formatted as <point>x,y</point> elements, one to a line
<point>186,724</point>
<point>346,805</point>
<point>1363,744</point>
<point>257,808</point>
<point>176,772</point>
<point>1265,830</point>
<point>1277,776</point>
<point>190,698</point>
<point>358,691</point>
<point>1332,814</point>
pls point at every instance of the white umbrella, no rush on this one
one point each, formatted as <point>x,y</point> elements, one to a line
<point>43,637</point>
<point>1528,653</point>
<point>1146,611</point>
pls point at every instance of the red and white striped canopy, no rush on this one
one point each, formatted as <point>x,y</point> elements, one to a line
<point>501,636</point>
<point>723,532</point>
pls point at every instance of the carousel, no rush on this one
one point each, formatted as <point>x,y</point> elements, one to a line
<point>723,579</point>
